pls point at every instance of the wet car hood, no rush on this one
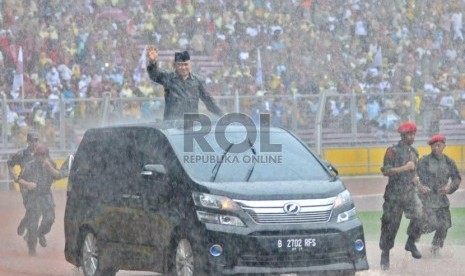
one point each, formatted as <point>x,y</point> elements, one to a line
<point>275,190</point>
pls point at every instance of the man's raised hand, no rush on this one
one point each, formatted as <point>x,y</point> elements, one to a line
<point>152,54</point>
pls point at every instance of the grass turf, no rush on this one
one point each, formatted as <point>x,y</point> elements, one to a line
<point>455,235</point>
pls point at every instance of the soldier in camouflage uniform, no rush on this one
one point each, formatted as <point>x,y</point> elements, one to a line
<point>35,180</point>
<point>439,176</point>
<point>21,159</point>
<point>401,194</point>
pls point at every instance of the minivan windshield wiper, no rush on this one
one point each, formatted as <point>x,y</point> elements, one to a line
<point>249,173</point>
<point>217,166</point>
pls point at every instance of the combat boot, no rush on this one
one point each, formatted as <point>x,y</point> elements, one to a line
<point>385,260</point>
<point>42,241</point>
<point>410,246</point>
<point>32,252</point>
<point>21,228</point>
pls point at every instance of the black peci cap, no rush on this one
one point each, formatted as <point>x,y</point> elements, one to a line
<point>181,56</point>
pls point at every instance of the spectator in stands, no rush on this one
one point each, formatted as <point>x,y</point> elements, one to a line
<point>413,41</point>
<point>54,102</point>
<point>182,88</point>
<point>278,113</point>
<point>65,73</point>
<point>52,76</point>
<point>462,108</point>
<point>11,117</point>
<point>457,25</point>
<point>69,95</point>
<point>373,108</point>
<point>19,131</point>
<point>126,91</point>
<point>447,104</point>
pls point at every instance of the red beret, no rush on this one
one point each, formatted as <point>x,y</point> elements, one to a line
<point>407,127</point>
<point>437,138</point>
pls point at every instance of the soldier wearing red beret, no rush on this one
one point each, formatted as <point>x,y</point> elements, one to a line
<point>439,177</point>
<point>437,138</point>
<point>401,195</point>
<point>407,127</point>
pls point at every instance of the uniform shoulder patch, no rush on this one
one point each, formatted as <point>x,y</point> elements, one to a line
<point>390,153</point>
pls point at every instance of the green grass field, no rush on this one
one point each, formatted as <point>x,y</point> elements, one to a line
<point>455,235</point>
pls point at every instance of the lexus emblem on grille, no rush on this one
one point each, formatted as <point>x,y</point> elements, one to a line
<point>291,208</point>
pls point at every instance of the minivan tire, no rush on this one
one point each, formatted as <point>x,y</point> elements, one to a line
<point>184,260</point>
<point>90,262</point>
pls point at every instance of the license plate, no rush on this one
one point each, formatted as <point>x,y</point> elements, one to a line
<point>296,244</point>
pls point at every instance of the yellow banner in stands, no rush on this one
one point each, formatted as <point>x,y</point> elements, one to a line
<point>59,184</point>
<point>368,161</point>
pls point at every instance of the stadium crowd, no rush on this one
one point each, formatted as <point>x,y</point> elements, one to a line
<point>384,51</point>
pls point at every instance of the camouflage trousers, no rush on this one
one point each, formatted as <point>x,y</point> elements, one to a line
<point>40,207</point>
<point>396,203</point>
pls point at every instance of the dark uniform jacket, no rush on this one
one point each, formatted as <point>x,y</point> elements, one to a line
<point>400,189</point>
<point>181,96</point>
<point>397,156</point>
<point>32,170</point>
<point>21,158</point>
<point>435,173</point>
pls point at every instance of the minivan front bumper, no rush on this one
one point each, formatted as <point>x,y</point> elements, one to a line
<point>286,249</point>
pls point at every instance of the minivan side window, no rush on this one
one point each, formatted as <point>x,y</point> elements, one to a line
<point>153,148</point>
<point>148,144</point>
<point>121,159</point>
<point>89,164</point>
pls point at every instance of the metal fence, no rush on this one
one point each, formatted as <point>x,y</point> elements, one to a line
<point>325,120</point>
<point>328,114</point>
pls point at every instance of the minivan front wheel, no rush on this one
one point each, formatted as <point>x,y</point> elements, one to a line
<point>185,259</point>
<point>90,262</point>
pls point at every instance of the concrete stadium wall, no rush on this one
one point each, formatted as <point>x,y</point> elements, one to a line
<point>368,161</point>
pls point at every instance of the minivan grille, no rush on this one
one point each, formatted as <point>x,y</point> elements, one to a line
<point>285,218</point>
<point>273,211</point>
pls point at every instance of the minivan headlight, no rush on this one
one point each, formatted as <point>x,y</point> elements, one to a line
<point>207,217</point>
<point>343,199</point>
<point>214,202</point>
<point>347,215</point>
<point>344,207</point>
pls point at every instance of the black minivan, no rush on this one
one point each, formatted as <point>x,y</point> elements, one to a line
<point>156,197</point>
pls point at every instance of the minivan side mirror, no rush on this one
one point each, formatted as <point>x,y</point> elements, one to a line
<point>70,162</point>
<point>331,167</point>
<point>153,169</point>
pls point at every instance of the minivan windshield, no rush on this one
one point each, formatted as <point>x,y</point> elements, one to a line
<point>253,163</point>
